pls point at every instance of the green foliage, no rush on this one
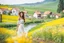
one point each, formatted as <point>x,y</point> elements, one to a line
<point>48,16</point>
<point>62,14</point>
<point>7,25</point>
<point>47,34</point>
<point>39,25</point>
<point>60,6</point>
<point>3,37</point>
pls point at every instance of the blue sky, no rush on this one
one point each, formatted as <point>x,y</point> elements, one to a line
<point>18,1</point>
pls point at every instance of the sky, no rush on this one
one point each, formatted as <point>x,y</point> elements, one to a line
<point>11,2</point>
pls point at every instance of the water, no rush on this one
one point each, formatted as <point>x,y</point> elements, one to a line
<point>30,26</point>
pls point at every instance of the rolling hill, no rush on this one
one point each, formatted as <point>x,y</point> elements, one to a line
<point>47,5</point>
<point>37,3</point>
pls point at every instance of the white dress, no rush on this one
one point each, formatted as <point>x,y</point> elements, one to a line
<point>20,27</point>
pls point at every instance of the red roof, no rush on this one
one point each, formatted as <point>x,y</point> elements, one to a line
<point>16,9</point>
<point>3,9</point>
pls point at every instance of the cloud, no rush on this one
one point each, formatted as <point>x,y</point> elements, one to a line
<point>18,1</point>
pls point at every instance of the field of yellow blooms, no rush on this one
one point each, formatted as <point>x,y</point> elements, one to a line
<point>14,38</point>
<point>54,27</point>
<point>51,31</point>
<point>6,7</point>
<point>51,23</point>
<point>8,18</point>
<point>7,31</point>
<point>11,19</point>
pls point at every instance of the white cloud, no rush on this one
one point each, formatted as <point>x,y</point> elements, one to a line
<point>18,1</point>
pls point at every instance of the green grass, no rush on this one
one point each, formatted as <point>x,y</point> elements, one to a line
<point>40,24</point>
<point>46,34</point>
<point>14,25</point>
<point>3,37</point>
<point>4,25</point>
<point>51,6</point>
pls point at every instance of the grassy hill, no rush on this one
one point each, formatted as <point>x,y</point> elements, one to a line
<point>49,5</point>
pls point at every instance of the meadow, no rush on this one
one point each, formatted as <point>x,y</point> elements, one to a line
<point>50,6</point>
<point>46,31</point>
<point>50,32</point>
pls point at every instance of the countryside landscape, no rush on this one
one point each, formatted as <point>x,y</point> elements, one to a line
<point>44,22</point>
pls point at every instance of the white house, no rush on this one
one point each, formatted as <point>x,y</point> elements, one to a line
<point>15,11</point>
<point>57,16</point>
<point>1,12</point>
<point>37,14</point>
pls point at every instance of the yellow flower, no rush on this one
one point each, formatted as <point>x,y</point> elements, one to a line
<point>9,40</point>
<point>7,31</point>
<point>41,42</point>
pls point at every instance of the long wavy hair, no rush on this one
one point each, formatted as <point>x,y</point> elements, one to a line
<point>23,17</point>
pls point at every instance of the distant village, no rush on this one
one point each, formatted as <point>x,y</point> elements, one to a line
<point>37,14</point>
<point>9,11</point>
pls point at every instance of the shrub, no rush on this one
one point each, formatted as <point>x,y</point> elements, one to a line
<point>7,25</point>
<point>62,14</point>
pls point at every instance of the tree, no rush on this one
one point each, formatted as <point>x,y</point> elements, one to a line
<point>60,6</point>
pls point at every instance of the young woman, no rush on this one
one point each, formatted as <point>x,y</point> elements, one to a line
<point>20,24</point>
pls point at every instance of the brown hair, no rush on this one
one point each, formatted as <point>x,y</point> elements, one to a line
<point>23,17</point>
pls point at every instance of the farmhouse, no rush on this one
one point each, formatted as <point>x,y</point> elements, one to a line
<point>5,10</point>
<point>46,13</point>
<point>37,14</point>
<point>15,11</point>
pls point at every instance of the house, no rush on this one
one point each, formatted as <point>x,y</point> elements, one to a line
<point>1,12</point>
<point>15,11</point>
<point>51,15</point>
<point>4,10</point>
<point>46,13</point>
<point>57,16</point>
<point>54,15</point>
<point>37,14</point>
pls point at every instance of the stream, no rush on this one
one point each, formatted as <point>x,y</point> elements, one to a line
<point>28,27</point>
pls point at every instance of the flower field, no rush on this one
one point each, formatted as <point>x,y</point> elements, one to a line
<point>12,38</point>
<point>50,32</point>
<point>10,19</point>
<point>51,23</point>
